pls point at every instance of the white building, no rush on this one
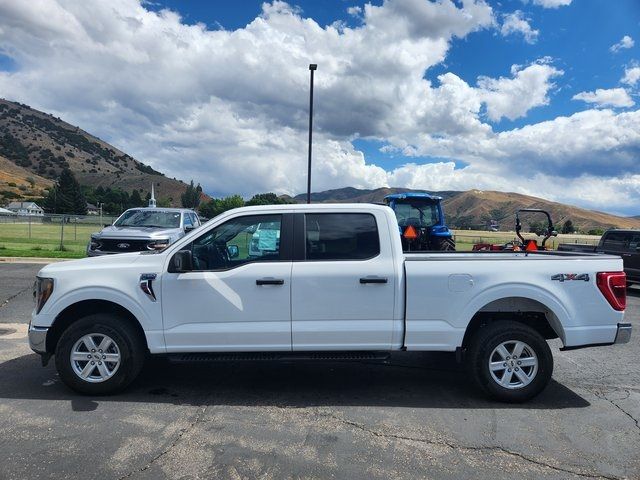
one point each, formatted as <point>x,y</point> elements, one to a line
<point>26,209</point>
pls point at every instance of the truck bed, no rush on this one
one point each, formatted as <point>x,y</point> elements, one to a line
<point>504,255</point>
<point>444,290</point>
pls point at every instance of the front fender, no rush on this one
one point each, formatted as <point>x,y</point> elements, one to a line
<point>51,311</point>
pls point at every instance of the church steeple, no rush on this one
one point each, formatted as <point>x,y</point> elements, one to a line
<point>152,200</point>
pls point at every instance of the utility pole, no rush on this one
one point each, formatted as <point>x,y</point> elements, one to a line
<point>312,68</point>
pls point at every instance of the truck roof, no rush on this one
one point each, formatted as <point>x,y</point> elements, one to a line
<point>312,206</point>
<point>161,209</point>
<point>419,195</point>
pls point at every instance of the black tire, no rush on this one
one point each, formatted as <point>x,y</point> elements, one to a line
<point>128,344</point>
<point>445,244</point>
<point>479,354</point>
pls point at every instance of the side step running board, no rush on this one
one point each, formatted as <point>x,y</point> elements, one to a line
<point>278,356</point>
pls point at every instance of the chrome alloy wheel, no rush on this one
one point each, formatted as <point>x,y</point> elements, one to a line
<point>513,364</point>
<point>95,357</point>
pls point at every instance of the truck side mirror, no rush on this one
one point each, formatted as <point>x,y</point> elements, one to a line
<point>182,261</point>
<point>188,228</point>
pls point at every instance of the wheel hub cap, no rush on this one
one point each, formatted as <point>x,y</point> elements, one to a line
<point>95,357</point>
<point>513,364</point>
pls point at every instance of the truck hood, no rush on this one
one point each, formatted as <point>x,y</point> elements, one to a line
<point>93,265</point>
<point>136,232</point>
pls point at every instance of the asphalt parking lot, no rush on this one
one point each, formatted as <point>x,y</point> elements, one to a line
<point>415,416</point>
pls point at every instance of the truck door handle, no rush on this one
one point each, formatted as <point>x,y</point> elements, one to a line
<point>269,281</point>
<point>373,280</point>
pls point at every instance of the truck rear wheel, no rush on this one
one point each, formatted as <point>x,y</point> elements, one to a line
<point>99,354</point>
<point>510,361</point>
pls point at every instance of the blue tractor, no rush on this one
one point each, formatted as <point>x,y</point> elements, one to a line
<point>421,222</point>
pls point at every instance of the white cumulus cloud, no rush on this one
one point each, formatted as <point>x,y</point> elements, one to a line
<point>603,97</point>
<point>552,3</point>
<point>631,75</point>
<point>516,23</point>
<point>514,97</point>
<point>625,43</point>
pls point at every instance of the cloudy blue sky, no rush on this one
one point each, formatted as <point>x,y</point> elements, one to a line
<point>534,96</point>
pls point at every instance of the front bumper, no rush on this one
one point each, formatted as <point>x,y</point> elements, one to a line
<point>38,339</point>
<point>624,333</point>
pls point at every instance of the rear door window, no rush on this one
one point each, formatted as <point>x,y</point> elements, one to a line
<point>634,242</point>
<point>341,236</point>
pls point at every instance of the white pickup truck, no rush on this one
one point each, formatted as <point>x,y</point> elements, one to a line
<point>323,278</point>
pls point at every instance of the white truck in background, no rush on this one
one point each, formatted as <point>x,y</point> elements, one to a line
<point>330,278</point>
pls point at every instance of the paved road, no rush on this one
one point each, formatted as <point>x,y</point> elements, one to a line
<point>415,417</point>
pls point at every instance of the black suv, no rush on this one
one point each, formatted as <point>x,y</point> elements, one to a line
<point>625,243</point>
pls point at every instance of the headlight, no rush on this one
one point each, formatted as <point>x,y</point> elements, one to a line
<point>42,292</point>
<point>158,244</point>
<point>95,243</point>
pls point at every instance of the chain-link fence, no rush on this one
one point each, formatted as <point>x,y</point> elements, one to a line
<point>64,236</point>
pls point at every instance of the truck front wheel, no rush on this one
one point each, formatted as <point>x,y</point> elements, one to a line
<point>510,361</point>
<point>99,354</point>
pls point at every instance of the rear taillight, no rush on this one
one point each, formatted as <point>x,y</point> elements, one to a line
<point>613,286</point>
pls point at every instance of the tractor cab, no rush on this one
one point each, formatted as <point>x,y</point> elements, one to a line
<point>420,222</point>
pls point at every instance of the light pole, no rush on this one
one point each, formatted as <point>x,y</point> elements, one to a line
<point>312,68</point>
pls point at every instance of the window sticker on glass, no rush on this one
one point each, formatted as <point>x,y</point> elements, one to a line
<point>268,240</point>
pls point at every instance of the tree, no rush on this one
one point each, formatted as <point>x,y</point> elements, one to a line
<point>267,199</point>
<point>135,200</point>
<point>191,197</point>
<point>568,227</point>
<point>537,227</point>
<point>216,206</point>
<point>53,202</point>
<point>66,196</point>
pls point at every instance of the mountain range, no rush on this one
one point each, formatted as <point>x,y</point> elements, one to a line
<point>36,146</point>
<point>475,208</point>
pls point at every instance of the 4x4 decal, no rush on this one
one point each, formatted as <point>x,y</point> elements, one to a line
<point>561,277</point>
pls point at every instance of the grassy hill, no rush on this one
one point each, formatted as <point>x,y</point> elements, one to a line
<point>37,145</point>
<point>473,208</point>
<point>18,182</point>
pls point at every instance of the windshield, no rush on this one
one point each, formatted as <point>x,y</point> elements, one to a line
<point>418,215</point>
<point>149,218</point>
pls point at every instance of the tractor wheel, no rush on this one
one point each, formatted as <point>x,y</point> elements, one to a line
<point>445,244</point>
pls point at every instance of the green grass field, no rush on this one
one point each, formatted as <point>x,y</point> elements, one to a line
<point>43,240</point>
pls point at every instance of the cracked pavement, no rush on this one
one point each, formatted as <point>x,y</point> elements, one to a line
<point>415,416</point>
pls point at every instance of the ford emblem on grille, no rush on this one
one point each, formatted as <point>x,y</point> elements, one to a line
<point>123,245</point>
